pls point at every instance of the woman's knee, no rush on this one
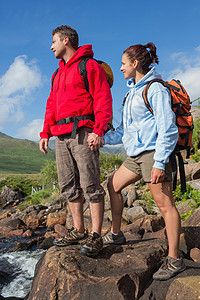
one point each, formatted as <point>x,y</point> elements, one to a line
<point>165,204</point>
<point>112,187</point>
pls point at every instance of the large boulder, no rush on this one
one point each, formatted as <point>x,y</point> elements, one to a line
<point>11,227</point>
<point>184,286</point>
<point>119,272</point>
<point>10,197</point>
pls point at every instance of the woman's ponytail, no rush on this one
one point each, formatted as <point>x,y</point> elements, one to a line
<point>152,51</point>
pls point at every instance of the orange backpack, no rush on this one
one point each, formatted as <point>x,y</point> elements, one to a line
<point>180,101</point>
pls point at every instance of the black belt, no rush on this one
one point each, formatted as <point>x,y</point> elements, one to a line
<point>75,120</point>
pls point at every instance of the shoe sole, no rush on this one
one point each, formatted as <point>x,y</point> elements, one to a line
<point>89,254</point>
<point>115,243</point>
<point>72,243</point>
<point>163,279</point>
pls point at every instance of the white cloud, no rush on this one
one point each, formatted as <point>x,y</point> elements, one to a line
<point>188,71</point>
<point>31,130</point>
<point>20,79</point>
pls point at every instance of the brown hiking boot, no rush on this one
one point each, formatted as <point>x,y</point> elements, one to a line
<point>93,245</point>
<point>72,237</point>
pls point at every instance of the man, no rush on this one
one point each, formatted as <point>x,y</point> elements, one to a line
<point>77,164</point>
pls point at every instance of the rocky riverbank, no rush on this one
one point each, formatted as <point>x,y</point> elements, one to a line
<point>119,272</point>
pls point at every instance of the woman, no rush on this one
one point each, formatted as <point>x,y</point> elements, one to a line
<point>148,139</point>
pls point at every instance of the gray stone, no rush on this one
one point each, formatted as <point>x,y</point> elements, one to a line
<point>134,213</point>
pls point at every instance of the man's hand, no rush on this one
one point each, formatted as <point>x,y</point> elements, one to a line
<point>157,175</point>
<point>43,145</point>
<point>94,141</point>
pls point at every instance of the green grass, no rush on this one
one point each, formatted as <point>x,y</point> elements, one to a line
<point>19,156</point>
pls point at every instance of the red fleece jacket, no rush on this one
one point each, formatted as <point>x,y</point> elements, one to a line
<point>69,97</point>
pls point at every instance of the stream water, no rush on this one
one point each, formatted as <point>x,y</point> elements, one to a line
<point>17,267</point>
<point>22,265</point>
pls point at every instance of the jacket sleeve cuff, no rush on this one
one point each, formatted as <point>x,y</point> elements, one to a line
<point>44,135</point>
<point>159,165</point>
<point>99,132</point>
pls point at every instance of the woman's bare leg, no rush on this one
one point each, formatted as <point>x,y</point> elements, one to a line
<point>162,194</point>
<point>121,178</point>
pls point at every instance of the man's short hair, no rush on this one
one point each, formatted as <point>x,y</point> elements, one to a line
<point>69,32</point>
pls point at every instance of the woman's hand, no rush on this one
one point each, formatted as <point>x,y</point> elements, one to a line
<point>94,141</point>
<point>157,175</point>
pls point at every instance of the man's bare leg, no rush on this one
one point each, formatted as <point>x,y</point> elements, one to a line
<point>76,208</point>
<point>97,212</point>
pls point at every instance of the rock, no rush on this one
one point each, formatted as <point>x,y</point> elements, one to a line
<point>33,221</point>
<point>6,213</point>
<point>11,224</point>
<point>10,197</point>
<point>51,234</point>
<point>28,233</point>
<point>6,273</point>
<point>193,220</point>
<point>196,171</point>
<point>132,196</point>
<point>176,288</point>
<point>188,171</point>
<point>185,207</point>
<point>184,288</point>
<point>132,237</point>
<point>60,229</point>
<point>12,233</point>
<point>190,238</point>
<point>195,184</point>
<point>161,234</point>
<point>133,213</point>
<point>57,217</point>
<point>195,254</point>
<point>11,227</point>
<point>120,272</point>
<point>46,243</point>
<point>152,223</point>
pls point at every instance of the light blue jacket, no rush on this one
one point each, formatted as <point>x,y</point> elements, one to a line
<point>140,130</point>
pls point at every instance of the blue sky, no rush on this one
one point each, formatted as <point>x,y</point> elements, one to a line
<point>27,62</point>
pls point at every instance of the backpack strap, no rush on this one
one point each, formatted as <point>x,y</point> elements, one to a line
<point>165,84</point>
<point>55,73</point>
<point>83,71</point>
<point>146,89</point>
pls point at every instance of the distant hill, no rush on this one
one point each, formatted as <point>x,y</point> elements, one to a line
<point>20,156</point>
<point>112,149</point>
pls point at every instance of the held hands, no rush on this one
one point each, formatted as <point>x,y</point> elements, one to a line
<point>95,141</point>
<point>157,175</point>
<point>43,145</point>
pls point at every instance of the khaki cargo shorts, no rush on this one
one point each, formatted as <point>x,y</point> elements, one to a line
<point>78,167</point>
<point>142,165</point>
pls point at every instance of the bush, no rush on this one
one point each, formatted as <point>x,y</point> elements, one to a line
<point>22,183</point>
<point>190,194</point>
<point>196,141</point>
<point>49,174</point>
<point>40,197</point>
<point>108,163</point>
